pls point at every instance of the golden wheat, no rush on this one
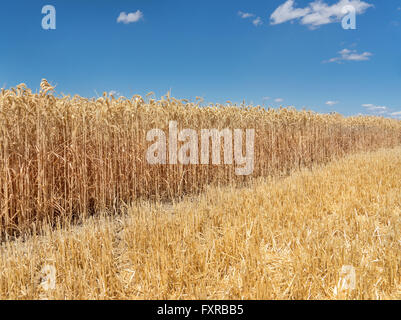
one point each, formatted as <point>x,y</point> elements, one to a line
<point>333,232</point>
<point>65,158</point>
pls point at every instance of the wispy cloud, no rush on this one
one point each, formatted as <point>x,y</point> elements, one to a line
<point>278,100</point>
<point>381,111</point>
<point>375,109</point>
<point>317,13</point>
<point>114,93</point>
<point>130,17</point>
<point>350,55</point>
<point>396,114</point>
<point>331,103</point>
<point>245,15</point>
<point>256,21</point>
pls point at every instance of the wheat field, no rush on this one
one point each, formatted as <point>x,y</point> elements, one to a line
<point>281,238</point>
<point>65,158</point>
<point>84,216</point>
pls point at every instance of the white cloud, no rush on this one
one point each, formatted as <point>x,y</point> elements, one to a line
<point>130,17</point>
<point>278,100</point>
<point>375,109</point>
<point>114,93</point>
<point>350,55</point>
<point>245,15</point>
<point>286,12</point>
<point>331,103</point>
<point>396,115</point>
<point>257,22</point>
<point>317,13</point>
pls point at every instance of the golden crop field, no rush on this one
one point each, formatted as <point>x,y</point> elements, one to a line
<point>281,238</point>
<point>84,215</point>
<point>66,158</point>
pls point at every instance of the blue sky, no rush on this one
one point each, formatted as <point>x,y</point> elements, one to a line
<point>272,52</point>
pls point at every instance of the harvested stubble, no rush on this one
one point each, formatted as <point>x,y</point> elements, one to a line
<point>68,157</point>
